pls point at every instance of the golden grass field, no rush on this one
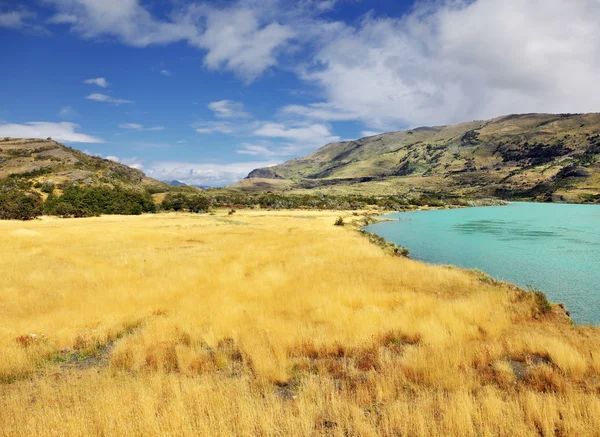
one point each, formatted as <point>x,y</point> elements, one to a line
<point>272,324</point>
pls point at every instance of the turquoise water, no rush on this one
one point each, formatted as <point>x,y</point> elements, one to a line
<point>552,247</point>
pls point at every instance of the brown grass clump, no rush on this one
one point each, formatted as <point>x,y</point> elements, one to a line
<point>272,323</point>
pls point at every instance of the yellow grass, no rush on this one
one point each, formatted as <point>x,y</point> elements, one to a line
<point>272,324</point>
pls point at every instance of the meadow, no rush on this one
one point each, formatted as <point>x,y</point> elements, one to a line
<point>273,323</point>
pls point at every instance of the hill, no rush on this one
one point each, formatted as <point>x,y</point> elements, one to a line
<point>47,161</point>
<point>529,156</point>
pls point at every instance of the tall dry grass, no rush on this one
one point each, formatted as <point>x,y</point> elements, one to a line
<point>272,323</point>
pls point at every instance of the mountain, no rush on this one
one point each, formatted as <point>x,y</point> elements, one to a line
<point>175,183</point>
<point>528,156</point>
<point>47,161</point>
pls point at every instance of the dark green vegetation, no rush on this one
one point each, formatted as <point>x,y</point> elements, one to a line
<point>540,157</point>
<point>17,202</point>
<point>79,201</point>
<point>394,249</point>
<point>186,202</point>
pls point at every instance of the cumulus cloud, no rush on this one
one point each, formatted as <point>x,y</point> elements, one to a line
<point>165,73</point>
<point>100,81</point>
<point>139,127</point>
<point>303,137</point>
<point>455,60</point>
<point>130,162</point>
<point>108,99</point>
<point>204,174</point>
<point>40,129</point>
<point>228,109</point>
<point>125,20</point>
<point>235,38</point>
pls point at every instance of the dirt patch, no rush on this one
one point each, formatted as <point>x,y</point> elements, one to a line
<point>82,360</point>
<point>522,367</point>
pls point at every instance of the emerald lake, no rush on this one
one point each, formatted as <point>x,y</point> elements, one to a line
<point>552,247</point>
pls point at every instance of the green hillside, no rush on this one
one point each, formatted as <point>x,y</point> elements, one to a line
<point>529,156</point>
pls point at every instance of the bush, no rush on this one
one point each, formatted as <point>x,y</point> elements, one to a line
<point>391,248</point>
<point>16,203</point>
<point>339,222</point>
<point>542,304</point>
<point>198,203</point>
<point>79,201</point>
<point>47,187</point>
<point>181,202</point>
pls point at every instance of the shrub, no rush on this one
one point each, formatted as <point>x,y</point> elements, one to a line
<point>542,304</point>
<point>79,201</point>
<point>198,203</point>
<point>181,202</point>
<point>16,203</point>
<point>339,222</point>
<point>391,248</point>
<point>48,187</point>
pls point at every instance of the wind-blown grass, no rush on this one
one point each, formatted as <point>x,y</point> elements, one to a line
<point>272,323</point>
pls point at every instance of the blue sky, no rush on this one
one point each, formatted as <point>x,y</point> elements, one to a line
<point>205,91</point>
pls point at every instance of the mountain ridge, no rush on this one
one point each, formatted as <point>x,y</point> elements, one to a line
<point>537,156</point>
<point>48,161</point>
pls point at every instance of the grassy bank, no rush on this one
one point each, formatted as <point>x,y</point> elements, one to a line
<point>272,323</point>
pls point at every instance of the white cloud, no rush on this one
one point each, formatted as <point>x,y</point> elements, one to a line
<point>22,19</point>
<point>39,129</point>
<point>210,127</point>
<point>131,126</point>
<point>67,112</point>
<point>108,99</point>
<point>165,73</point>
<point>304,137</point>
<point>236,38</point>
<point>126,20</point>
<point>14,19</point>
<point>237,41</point>
<point>265,149</point>
<point>100,81</point>
<point>456,60</point>
<point>369,133</point>
<point>130,162</point>
<point>139,127</point>
<point>204,174</point>
<point>63,19</point>
<point>228,109</point>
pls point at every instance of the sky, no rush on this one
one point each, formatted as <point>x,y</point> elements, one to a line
<point>205,91</point>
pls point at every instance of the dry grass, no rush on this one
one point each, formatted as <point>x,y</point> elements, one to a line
<point>272,324</point>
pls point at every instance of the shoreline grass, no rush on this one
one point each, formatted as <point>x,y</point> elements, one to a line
<point>272,323</point>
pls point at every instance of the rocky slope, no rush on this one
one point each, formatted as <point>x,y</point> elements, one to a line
<point>47,161</point>
<point>527,156</point>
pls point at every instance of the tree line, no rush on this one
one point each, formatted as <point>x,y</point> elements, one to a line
<point>18,201</point>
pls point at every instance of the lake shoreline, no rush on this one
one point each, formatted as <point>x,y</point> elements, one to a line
<point>565,294</point>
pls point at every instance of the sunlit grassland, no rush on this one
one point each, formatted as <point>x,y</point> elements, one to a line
<point>272,324</point>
